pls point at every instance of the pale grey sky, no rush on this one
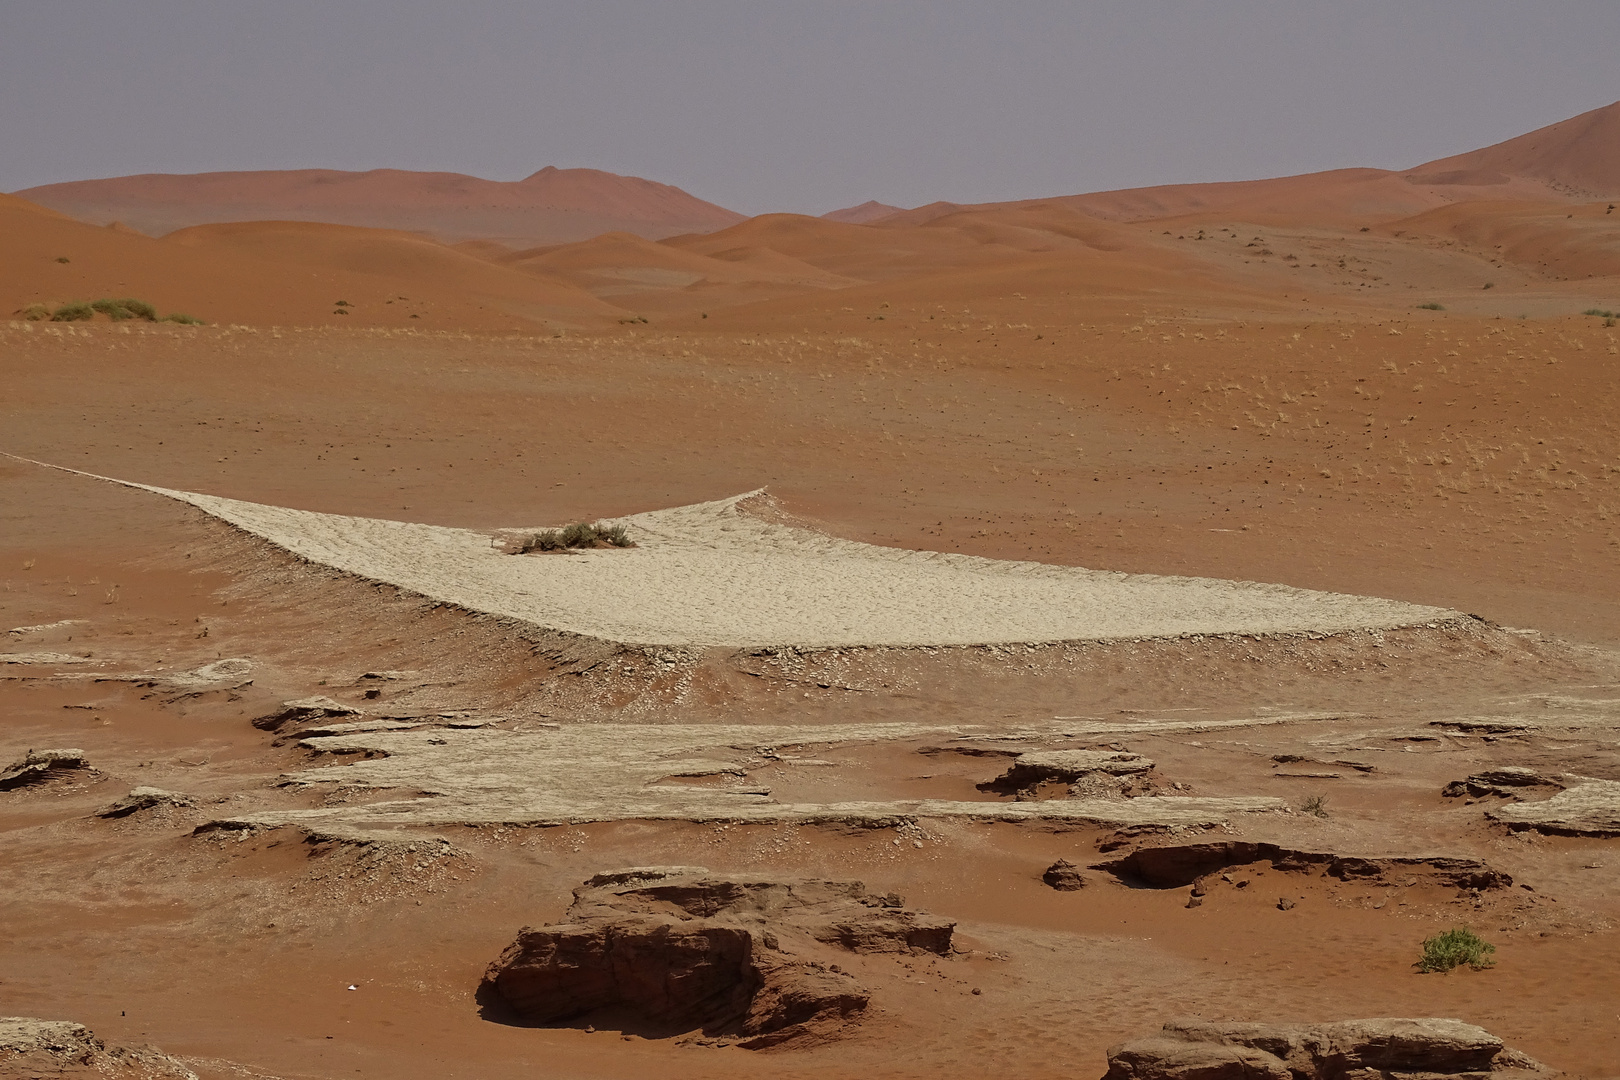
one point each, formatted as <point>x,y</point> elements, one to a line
<point>803,106</point>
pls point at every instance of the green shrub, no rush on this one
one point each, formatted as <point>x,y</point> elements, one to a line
<point>119,310</point>
<point>183,320</point>
<point>1600,313</point>
<point>1431,306</point>
<point>78,311</point>
<point>35,313</point>
<point>1315,805</point>
<point>1455,948</point>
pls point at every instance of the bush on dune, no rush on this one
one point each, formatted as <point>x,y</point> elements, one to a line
<point>578,535</point>
<point>116,309</point>
<point>119,310</point>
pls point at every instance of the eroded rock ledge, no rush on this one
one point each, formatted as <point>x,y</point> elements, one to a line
<point>666,950</point>
<point>1412,1049</point>
<point>60,1048</point>
<point>1183,864</point>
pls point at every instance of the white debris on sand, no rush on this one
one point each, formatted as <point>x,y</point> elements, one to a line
<point>616,772</point>
<point>712,574</point>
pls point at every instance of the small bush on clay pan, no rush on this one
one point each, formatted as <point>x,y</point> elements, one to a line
<point>1453,949</point>
<point>581,534</point>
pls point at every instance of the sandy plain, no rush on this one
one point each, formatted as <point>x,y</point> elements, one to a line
<point>1149,397</point>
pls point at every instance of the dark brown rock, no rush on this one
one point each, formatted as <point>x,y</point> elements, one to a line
<point>144,798</point>
<point>1507,782</point>
<point>663,950</point>
<point>1087,772</point>
<point>38,766</point>
<point>1064,876</point>
<point>1428,1048</point>
<point>1172,867</point>
<point>303,711</point>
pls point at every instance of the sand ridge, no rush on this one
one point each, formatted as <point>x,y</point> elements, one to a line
<point>712,574</point>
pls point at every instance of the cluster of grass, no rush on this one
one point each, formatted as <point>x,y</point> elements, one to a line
<point>1432,306</point>
<point>116,310</point>
<point>1600,313</point>
<point>1453,949</point>
<point>581,534</point>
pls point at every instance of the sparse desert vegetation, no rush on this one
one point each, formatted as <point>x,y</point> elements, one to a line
<point>1454,948</point>
<point>118,310</point>
<point>581,534</point>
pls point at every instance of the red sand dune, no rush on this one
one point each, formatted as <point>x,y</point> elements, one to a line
<point>1578,158</point>
<point>867,212</point>
<point>551,206</point>
<point>276,273</point>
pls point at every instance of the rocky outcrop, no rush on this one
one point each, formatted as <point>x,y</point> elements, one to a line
<point>1587,809</point>
<point>31,1048</point>
<point>37,766</point>
<point>1064,876</point>
<point>1088,773</point>
<point>665,950</point>
<point>1183,864</point>
<point>145,798</point>
<point>1508,782</point>
<point>1413,1049</point>
<point>304,711</point>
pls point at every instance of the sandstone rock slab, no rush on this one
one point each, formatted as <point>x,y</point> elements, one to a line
<point>1507,781</point>
<point>1426,1048</point>
<point>304,711</point>
<point>39,765</point>
<point>31,1048</point>
<point>145,798</point>
<point>1586,809</point>
<point>1174,866</point>
<point>663,950</point>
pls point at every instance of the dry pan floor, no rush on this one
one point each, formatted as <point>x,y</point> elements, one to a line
<point>713,574</point>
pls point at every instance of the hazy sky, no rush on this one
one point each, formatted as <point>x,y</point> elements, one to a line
<point>803,106</point>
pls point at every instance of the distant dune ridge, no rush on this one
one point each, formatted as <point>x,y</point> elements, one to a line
<point>581,248</point>
<point>867,212</point>
<point>551,206</point>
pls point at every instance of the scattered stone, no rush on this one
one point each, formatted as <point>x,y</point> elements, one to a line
<point>1508,782</point>
<point>1486,727</point>
<point>39,765</point>
<point>325,731</point>
<point>1431,1048</point>
<point>43,658</point>
<point>1176,866</point>
<point>62,1049</point>
<point>304,711</point>
<point>672,949</point>
<point>1064,876</point>
<point>578,773</point>
<point>1285,904</point>
<point>1089,773</point>
<point>39,628</point>
<point>1585,809</point>
<point>231,673</point>
<point>144,798</point>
